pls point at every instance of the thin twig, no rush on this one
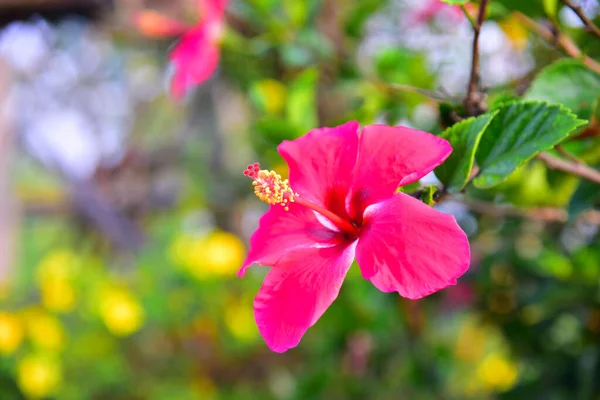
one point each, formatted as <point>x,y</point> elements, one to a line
<point>547,214</point>
<point>474,98</point>
<point>588,22</point>
<point>412,89</point>
<point>573,168</point>
<point>544,214</point>
<point>559,40</point>
<point>563,152</point>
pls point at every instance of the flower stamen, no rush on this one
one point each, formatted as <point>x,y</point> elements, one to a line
<point>269,187</point>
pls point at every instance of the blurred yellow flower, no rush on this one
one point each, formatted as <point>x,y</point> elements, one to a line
<point>218,254</point>
<point>470,345</point>
<point>239,319</point>
<point>497,373</point>
<point>38,376</point>
<point>270,95</point>
<point>515,31</point>
<point>57,264</point>
<point>223,253</point>
<point>11,333</point>
<point>58,295</point>
<point>121,312</point>
<point>55,273</point>
<point>45,330</point>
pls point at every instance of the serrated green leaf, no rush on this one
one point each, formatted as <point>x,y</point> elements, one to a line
<point>569,83</point>
<point>464,138</point>
<point>519,132</point>
<point>427,196</point>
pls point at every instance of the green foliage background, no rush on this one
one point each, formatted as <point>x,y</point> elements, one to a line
<point>84,318</point>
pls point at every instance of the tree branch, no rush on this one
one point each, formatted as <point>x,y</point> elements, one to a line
<point>571,167</point>
<point>412,89</point>
<point>474,100</point>
<point>563,152</point>
<point>559,40</point>
<point>544,214</point>
<point>588,22</point>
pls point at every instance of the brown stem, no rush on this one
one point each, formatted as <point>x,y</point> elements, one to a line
<point>571,167</point>
<point>544,214</point>
<point>563,152</point>
<point>474,100</point>
<point>588,22</point>
<point>412,89</point>
<point>559,40</point>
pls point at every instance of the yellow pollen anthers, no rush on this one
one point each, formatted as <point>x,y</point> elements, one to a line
<point>269,187</point>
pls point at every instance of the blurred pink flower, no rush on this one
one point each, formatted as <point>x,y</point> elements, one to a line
<point>341,203</point>
<point>430,8</point>
<point>196,56</point>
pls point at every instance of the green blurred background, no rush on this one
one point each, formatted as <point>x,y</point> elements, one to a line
<point>124,215</point>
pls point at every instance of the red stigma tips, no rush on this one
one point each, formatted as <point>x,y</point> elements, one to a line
<point>269,187</point>
<point>252,170</point>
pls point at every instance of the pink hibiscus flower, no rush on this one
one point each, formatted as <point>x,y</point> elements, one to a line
<point>430,8</point>
<point>341,203</point>
<point>196,56</point>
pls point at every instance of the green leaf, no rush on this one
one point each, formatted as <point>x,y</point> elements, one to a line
<point>297,11</point>
<point>403,66</point>
<point>519,132</point>
<point>550,7</point>
<point>569,83</point>
<point>411,187</point>
<point>464,138</point>
<point>455,2</point>
<point>301,101</point>
<point>428,194</point>
<point>531,8</point>
<point>551,263</point>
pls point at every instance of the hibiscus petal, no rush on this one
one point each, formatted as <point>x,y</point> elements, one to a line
<point>280,231</point>
<point>321,164</point>
<point>408,247</point>
<point>297,292</point>
<point>389,157</point>
<point>195,59</point>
